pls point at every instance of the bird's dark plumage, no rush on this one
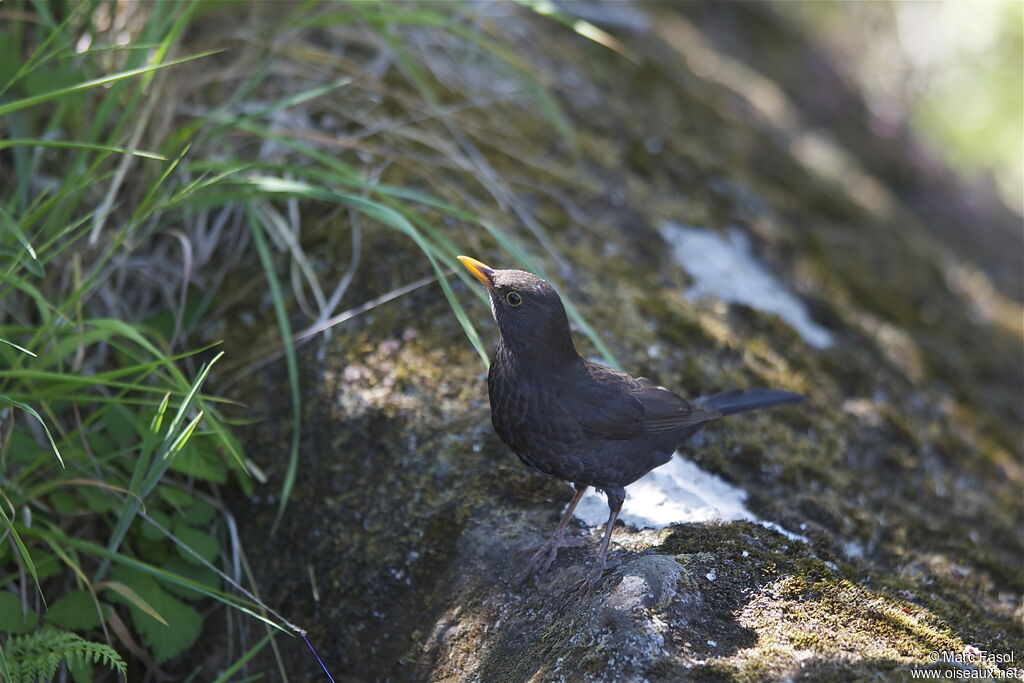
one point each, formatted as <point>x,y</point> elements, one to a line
<point>577,420</point>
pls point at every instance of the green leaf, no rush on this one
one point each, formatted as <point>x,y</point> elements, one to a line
<point>190,570</point>
<point>202,543</point>
<point>249,604</point>
<point>196,459</point>
<point>99,500</point>
<point>120,426</point>
<point>22,448</point>
<point>177,498</point>
<point>154,552</point>
<point>38,655</point>
<point>99,442</point>
<point>133,598</point>
<point>183,622</point>
<point>74,610</point>
<point>151,532</point>
<point>199,513</point>
<point>11,618</point>
<point>64,502</point>
<point>47,564</point>
<point>31,411</point>
<point>81,670</point>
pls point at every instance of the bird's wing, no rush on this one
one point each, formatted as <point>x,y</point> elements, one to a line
<point>614,405</point>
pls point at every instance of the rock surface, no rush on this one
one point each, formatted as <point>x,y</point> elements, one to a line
<point>402,547</point>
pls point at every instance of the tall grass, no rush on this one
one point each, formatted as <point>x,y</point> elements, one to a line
<point>110,452</point>
<point>130,193</point>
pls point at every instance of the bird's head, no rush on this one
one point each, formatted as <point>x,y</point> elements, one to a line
<point>529,312</point>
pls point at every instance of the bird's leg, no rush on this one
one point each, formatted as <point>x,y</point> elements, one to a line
<point>602,552</point>
<point>615,498</point>
<point>548,551</point>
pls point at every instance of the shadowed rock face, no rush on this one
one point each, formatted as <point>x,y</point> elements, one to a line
<point>903,469</point>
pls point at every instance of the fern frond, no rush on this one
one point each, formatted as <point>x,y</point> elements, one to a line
<point>36,656</point>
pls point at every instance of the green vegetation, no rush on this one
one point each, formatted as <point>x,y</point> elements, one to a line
<point>38,655</point>
<point>113,447</point>
<point>110,452</point>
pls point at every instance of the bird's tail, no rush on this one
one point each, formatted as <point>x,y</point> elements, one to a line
<point>739,401</point>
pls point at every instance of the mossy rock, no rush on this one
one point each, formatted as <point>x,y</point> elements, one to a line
<point>902,469</point>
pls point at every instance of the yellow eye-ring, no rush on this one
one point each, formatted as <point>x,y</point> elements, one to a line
<point>514,299</point>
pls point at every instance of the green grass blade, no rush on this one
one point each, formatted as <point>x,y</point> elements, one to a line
<point>94,83</point>
<point>388,217</point>
<point>31,411</point>
<point>5,671</point>
<point>9,225</point>
<point>182,439</point>
<point>157,468</point>
<point>43,307</point>
<point>192,392</point>
<point>22,550</point>
<point>392,218</point>
<point>229,673</point>
<point>68,144</point>
<point>290,359</point>
<point>132,597</point>
<point>170,38</point>
<point>37,57</point>
<point>19,348</point>
<point>294,100</point>
<point>109,556</point>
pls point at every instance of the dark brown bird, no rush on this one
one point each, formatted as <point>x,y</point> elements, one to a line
<point>577,420</point>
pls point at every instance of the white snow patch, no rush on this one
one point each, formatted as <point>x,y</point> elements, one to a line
<point>723,267</point>
<point>678,492</point>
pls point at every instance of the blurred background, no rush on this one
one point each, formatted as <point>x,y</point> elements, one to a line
<point>951,71</point>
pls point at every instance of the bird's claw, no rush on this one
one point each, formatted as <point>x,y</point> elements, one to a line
<point>546,553</point>
<point>589,583</point>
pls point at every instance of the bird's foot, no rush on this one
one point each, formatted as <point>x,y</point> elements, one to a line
<point>544,555</point>
<point>591,580</point>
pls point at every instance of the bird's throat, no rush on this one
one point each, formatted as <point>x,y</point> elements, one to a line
<point>524,358</point>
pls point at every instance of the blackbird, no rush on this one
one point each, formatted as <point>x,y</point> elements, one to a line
<point>572,418</point>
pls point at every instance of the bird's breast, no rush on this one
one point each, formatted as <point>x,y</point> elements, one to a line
<point>528,417</point>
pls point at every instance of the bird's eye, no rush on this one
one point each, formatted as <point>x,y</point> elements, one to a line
<point>514,299</point>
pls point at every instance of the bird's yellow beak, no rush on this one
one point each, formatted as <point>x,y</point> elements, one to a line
<point>481,271</point>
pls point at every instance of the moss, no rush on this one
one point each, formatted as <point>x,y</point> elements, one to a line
<point>901,468</point>
<point>836,620</point>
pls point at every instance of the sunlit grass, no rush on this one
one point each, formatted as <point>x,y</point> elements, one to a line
<point>104,424</point>
<point>153,164</point>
